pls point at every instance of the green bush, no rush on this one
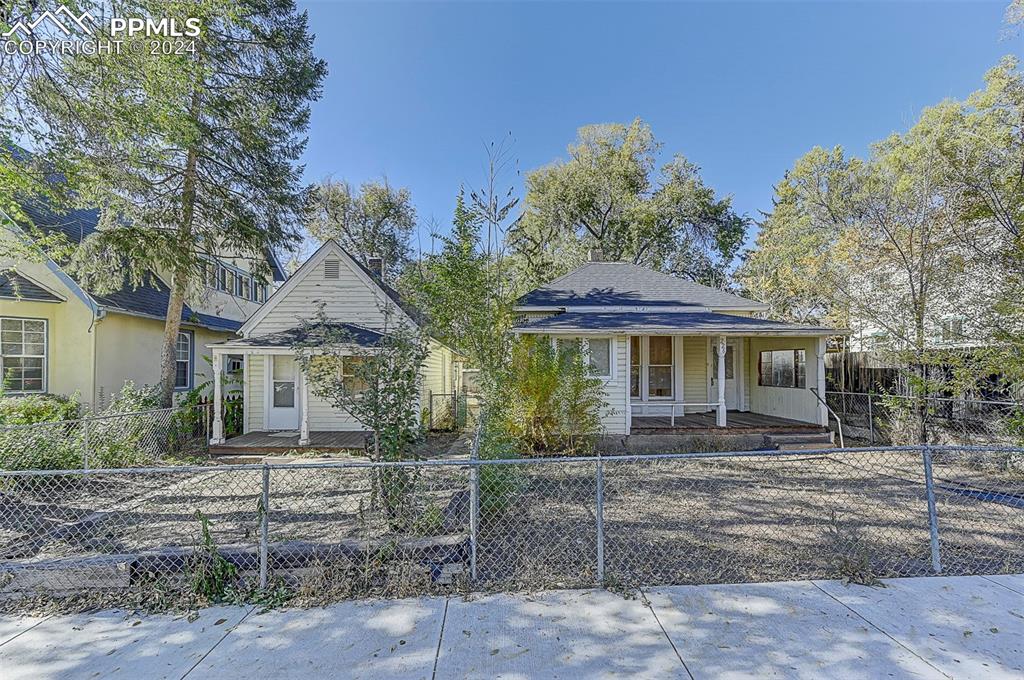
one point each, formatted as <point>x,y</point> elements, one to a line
<point>52,444</point>
<point>38,408</point>
<point>553,401</point>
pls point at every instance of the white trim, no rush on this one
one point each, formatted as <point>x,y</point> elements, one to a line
<point>628,367</point>
<point>45,383</point>
<point>245,392</point>
<point>329,247</point>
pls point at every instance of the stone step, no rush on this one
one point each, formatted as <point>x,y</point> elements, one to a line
<point>805,446</point>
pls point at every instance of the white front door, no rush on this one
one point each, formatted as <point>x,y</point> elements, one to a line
<point>284,395</point>
<point>732,374</point>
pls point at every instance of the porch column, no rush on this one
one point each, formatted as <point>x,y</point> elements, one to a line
<point>218,421</point>
<point>304,427</point>
<point>721,346</point>
<point>822,408</point>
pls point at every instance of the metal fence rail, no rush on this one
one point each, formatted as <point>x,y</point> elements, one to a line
<point>328,530</point>
<point>883,418</point>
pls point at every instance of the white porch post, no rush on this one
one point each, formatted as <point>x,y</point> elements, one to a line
<point>822,408</point>
<point>218,421</point>
<point>304,427</point>
<point>721,347</point>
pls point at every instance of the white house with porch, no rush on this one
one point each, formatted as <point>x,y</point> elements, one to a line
<point>678,356</point>
<point>280,411</point>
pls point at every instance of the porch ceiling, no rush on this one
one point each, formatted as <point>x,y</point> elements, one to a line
<point>671,323</point>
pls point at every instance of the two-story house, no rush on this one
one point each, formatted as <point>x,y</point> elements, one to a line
<point>55,337</point>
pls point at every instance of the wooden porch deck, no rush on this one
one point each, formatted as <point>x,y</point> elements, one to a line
<point>283,442</point>
<point>737,422</point>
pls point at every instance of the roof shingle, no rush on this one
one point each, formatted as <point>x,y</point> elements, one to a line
<point>695,323</point>
<point>625,284</point>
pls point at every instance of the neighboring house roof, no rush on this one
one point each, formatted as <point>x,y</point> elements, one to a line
<point>14,285</point>
<point>364,337</point>
<point>625,284</point>
<point>692,323</point>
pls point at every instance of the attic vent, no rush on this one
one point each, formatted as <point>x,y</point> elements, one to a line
<point>332,269</point>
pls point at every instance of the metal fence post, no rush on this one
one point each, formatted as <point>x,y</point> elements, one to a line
<point>85,444</point>
<point>933,519</point>
<point>474,509</point>
<point>264,525</point>
<point>600,521</point>
<point>871,419</point>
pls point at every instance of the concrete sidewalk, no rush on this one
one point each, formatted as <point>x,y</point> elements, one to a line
<point>964,627</point>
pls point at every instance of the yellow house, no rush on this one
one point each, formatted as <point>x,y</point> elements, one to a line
<point>57,338</point>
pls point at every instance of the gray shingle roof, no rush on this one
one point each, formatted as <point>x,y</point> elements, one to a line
<point>625,284</point>
<point>14,285</point>
<point>364,337</point>
<point>696,323</point>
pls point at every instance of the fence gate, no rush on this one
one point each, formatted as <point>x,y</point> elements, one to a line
<point>445,412</point>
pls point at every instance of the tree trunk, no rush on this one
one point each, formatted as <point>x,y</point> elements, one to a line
<point>179,276</point>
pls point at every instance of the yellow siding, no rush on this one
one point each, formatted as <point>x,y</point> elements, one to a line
<point>785,402</point>
<point>695,373</point>
<point>347,299</point>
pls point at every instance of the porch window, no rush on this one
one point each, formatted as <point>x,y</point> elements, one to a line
<point>782,368</point>
<point>23,355</point>
<point>634,366</point>
<point>183,361</point>
<point>659,367</point>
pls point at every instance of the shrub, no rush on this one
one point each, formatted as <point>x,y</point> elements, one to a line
<point>553,401</point>
<point>38,408</point>
<point>128,440</point>
<point>56,446</point>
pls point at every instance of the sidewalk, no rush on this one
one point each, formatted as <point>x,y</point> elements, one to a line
<point>964,627</point>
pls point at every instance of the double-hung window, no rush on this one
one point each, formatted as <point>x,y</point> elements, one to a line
<point>183,361</point>
<point>23,354</point>
<point>659,367</point>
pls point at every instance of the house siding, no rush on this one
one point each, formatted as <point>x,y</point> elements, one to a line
<point>784,402</point>
<point>695,373</point>
<point>255,400</point>
<point>347,299</point>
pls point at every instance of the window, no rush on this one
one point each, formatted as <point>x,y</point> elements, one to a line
<point>246,287</point>
<point>953,329</point>
<point>233,364</point>
<point>634,366</point>
<point>599,353</point>
<point>782,368</point>
<point>349,380</point>
<point>183,361</point>
<point>283,375</point>
<point>568,345</point>
<point>222,275</point>
<point>659,367</point>
<point>23,354</point>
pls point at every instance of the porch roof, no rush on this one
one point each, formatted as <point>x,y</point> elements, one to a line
<point>354,335</point>
<point>678,323</point>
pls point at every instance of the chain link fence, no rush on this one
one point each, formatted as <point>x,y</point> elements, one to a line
<point>108,441</point>
<point>885,419</point>
<point>321,531</point>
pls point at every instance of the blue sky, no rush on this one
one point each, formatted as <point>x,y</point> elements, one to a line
<point>415,91</point>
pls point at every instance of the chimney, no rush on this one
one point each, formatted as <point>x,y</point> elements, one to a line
<point>376,265</point>
<point>596,255</point>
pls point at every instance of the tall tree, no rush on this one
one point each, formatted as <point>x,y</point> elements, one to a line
<point>608,195</point>
<point>189,152</point>
<point>376,221</point>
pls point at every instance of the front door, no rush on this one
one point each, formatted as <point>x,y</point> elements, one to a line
<point>732,390</point>
<point>284,397</point>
